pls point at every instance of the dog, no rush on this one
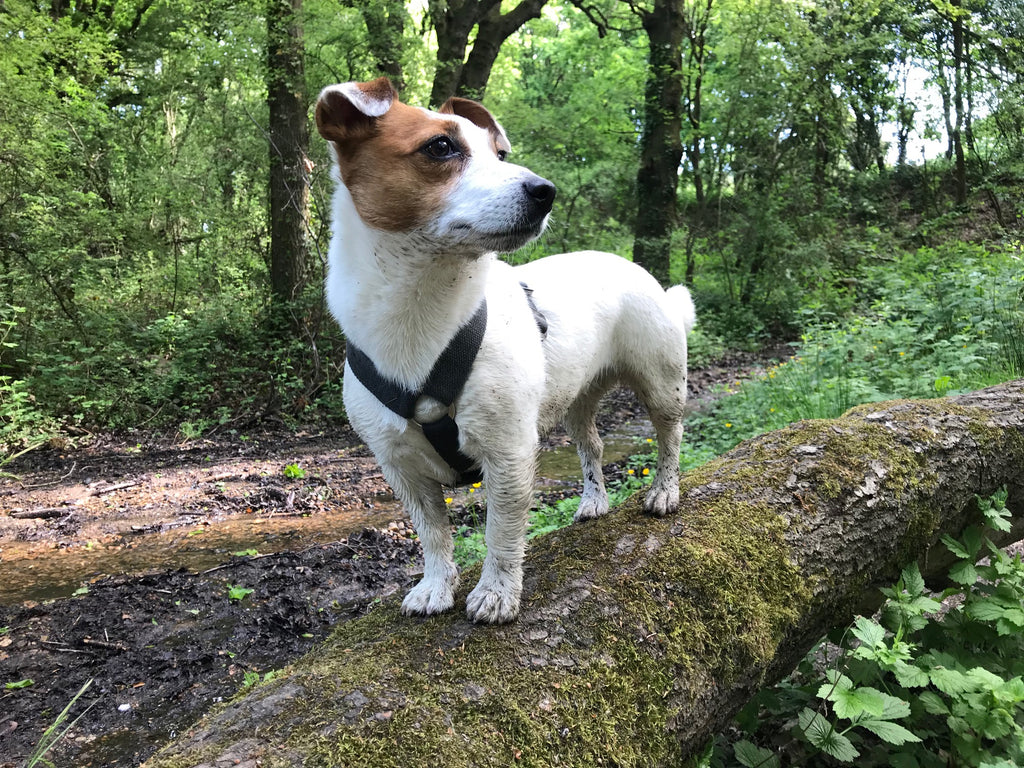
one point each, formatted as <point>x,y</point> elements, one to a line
<point>424,200</point>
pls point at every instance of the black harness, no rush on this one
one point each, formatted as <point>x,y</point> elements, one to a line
<point>445,382</point>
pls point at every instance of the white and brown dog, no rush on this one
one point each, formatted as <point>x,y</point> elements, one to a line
<point>423,202</point>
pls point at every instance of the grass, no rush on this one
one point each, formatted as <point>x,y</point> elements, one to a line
<point>57,731</point>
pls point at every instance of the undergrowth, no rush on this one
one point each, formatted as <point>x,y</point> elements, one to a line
<point>931,681</point>
<point>943,321</point>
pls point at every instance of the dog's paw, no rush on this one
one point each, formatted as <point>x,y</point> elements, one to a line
<point>492,606</point>
<point>591,507</point>
<point>428,597</point>
<point>662,501</point>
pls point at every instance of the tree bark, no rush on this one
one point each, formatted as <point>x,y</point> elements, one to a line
<point>661,146</point>
<point>453,21</point>
<point>289,140</point>
<point>640,638</point>
<point>493,30</point>
<point>960,172</point>
<point>385,29</point>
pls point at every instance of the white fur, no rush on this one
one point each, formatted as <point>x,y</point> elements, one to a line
<point>401,296</point>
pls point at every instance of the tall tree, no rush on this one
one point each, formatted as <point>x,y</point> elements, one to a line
<point>493,29</point>
<point>289,142</point>
<point>661,147</point>
<point>453,22</point>
<point>697,20</point>
<point>385,28</point>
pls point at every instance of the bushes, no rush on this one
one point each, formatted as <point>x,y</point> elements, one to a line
<point>939,321</point>
<point>923,685</point>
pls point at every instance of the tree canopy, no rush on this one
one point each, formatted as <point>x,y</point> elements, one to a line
<point>138,211</point>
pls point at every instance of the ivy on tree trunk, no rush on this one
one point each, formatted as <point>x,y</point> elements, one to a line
<point>661,147</point>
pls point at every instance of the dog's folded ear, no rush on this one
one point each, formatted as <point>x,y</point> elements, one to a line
<point>478,114</point>
<point>347,110</point>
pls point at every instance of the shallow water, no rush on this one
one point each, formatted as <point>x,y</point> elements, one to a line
<point>32,571</point>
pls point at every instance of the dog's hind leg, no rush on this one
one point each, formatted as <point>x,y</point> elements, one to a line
<point>424,501</point>
<point>582,429</point>
<point>665,404</point>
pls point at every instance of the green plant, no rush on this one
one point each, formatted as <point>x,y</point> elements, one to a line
<point>238,593</point>
<point>294,472</point>
<point>933,681</point>
<point>57,730</point>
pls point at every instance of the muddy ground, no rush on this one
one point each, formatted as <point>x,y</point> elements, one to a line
<point>174,574</point>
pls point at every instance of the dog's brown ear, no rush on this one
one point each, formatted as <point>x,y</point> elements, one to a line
<point>348,110</point>
<point>478,114</point>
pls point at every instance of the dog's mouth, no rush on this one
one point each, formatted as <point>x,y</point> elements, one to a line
<point>512,238</point>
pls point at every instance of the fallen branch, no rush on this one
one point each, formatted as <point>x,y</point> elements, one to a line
<point>641,638</point>
<point>42,513</point>
<point>111,488</point>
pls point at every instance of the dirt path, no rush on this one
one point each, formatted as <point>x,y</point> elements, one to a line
<point>172,575</point>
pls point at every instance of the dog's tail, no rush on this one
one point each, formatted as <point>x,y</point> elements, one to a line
<point>682,306</point>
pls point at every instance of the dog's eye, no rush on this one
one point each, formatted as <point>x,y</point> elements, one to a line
<point>502,154</point>
<point>441,148</point>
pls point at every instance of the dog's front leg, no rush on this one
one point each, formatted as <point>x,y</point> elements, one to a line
<point>509,480</point>
<point>424,501</point>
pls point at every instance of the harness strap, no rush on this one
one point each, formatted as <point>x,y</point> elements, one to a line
<point>446,380</point>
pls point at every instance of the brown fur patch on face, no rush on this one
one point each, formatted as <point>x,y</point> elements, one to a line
<point>394,185</point>
<point>479,115</point>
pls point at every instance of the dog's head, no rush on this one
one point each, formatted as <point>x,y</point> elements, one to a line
<point>441,175</point>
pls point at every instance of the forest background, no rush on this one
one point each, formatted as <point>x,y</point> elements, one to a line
<point>164,203</point>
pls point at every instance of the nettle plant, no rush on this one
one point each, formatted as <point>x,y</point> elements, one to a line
<point>933,680</point>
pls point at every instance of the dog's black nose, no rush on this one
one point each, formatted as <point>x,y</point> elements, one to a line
<point>541,192</point>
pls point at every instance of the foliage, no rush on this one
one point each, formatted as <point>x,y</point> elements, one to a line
<point>933,681</point>
<point>134,286</point>
<point>939,321</point>
<point>238,593</point>
<point>293,472</point>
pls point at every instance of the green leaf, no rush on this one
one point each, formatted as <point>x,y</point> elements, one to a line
<point>949,681</point>
<point>894,708</point>
<point>753,756</point>
<point>821,734</point>
<point>954,546</point>
<point>913,581</point>
<point>238,593</point>
<point>909,675</point>
<point>964,572</point>
<point>851,702</point>
<point>19,684</point>
<point>985,610</point>
<point>933,703</point>
<point>837,681</point>
<point>890,732</point>
<point>868,632</point>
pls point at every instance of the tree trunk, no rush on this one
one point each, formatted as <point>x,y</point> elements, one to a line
<point>960,173</point>
<point>661,146</point>
<point>695,28</point>
<point>639,638</point>
<point>289,140</point>
<point>453,21</point>
<point>385,28</point>
<point>493,29</point>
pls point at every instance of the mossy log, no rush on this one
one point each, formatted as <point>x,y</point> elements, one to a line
<point>640,638</point>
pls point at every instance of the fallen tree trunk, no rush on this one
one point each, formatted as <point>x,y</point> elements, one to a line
<point>640,638</point>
